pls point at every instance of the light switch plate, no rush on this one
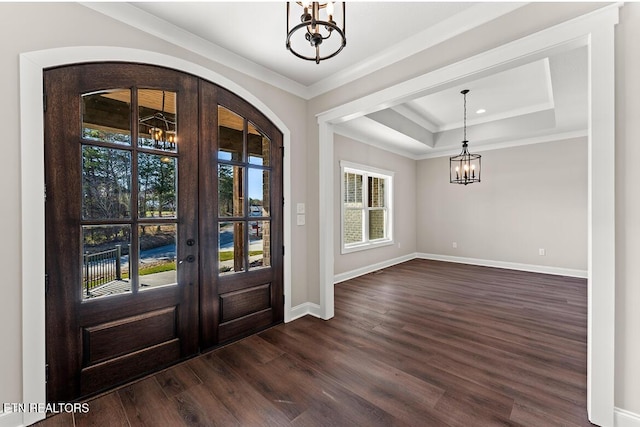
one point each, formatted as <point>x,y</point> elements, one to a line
<point>300,208</point>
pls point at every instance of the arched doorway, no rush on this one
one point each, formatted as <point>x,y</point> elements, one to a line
<point>164,222</point>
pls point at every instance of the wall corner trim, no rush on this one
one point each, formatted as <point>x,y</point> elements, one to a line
<point>305,308</point>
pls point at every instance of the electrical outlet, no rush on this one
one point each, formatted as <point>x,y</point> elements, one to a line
<point>454,245</point>
<point>542,252</point>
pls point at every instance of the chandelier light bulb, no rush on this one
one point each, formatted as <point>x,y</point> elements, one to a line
<point>330,10</point>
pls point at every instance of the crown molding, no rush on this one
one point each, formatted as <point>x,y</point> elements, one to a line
<point>461,22</point>
<point>446,29</point>
<point>151,24</point>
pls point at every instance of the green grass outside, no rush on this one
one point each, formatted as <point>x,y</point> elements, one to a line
<point>157,268</point>
<point>228,255</point>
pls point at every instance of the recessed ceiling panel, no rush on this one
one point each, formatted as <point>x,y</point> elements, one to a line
<point>513,92</point>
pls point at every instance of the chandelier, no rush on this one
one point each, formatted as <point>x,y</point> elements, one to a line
<point>317,23</point>
<point>465,167</point>
<point>160,128</point>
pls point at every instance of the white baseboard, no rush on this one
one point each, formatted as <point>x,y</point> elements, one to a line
<point>371,268</point>
<point>11,419</point>
<point>558,271</point>
<point>624,418</point>
<point>304,309</point>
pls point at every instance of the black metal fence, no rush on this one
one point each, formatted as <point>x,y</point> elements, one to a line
<point>102,267</point>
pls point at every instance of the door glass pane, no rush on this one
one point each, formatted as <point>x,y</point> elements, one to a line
<point>158,128</point>
<point>157,183</point>
<point>231,248</point>
<point>157,265</point>
<point>230,191</point>
<point>259,244</point>
<point>106,116</point>
<point>106,183</point>
<point>258,192</point>
<point>230,135</point>
<point>259,146</point>
<point>105,260</point>
<point>376,224</point>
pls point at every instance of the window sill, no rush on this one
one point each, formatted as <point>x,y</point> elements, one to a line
<point>366,246</point>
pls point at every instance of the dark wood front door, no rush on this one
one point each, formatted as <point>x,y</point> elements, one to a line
<point>158,241</point>
<point>241,152</point>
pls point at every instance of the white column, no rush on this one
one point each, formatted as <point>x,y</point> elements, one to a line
<point>601,219</point>
<point>326,227</point>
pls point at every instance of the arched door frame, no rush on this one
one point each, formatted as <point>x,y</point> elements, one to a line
<point>596,31</point>
<point>32,65</point>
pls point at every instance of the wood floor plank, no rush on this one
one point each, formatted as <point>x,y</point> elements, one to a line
<point>106,410</point>
<point>177,379</point>
<point>400,394</point>
<point>244,402</point>
<point>198,407</point>
<point>145,404</point>
<point>423,343</point>
<point>57,420</point>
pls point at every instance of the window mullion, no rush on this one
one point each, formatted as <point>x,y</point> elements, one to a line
<point>365,206</point>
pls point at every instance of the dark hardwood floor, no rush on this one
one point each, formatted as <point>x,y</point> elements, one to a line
<point>422,343</point>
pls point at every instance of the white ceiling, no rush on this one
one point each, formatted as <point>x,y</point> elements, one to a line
<point>527,103</point>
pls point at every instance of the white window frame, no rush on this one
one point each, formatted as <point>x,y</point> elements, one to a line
<point>366,172</point>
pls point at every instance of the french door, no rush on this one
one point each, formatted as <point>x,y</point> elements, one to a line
<point>163,222</point>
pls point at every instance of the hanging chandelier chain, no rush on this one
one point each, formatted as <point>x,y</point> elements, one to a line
<point>465,117</point>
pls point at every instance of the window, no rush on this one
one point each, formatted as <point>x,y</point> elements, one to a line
<point>366,207</point>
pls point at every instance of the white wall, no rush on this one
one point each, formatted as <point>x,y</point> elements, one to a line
<point>531,197</point>
<point>404,212</point>
<point>36,26</point>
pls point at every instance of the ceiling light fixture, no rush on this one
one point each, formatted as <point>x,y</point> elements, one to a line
<point>316,29</point>
<point>465,167</point>
<point>160,128</point>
